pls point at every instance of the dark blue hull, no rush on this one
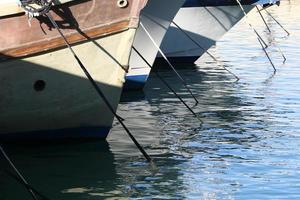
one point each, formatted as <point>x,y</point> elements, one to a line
<point>62,134</point>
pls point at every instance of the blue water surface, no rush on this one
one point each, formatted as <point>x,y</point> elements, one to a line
<point>247,147</point>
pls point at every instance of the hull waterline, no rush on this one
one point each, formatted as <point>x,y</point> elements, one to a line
<point>156,17</point>
<point>206,22</point>
<point>209,24</point>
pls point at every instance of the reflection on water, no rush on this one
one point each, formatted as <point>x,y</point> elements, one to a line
<point>247,147</point>
<point>60,171</point>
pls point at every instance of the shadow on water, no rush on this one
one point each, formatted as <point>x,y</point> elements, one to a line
<point>134,95</point>
<point>84,170</point>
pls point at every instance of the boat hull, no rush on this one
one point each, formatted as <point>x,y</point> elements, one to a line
<point>206,25</point>
<point>45,94</point>
<point>156,17</point>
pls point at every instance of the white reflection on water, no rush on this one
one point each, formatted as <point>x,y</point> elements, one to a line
<point>248,146</point>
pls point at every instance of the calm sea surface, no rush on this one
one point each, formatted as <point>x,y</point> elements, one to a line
<point>247,148</point>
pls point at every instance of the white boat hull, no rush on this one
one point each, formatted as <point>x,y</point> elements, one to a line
<point>156,17</point>
<point>67,105</point>
<point>206,25</point>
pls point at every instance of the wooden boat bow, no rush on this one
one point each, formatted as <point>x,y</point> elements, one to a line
<point>79,21</point>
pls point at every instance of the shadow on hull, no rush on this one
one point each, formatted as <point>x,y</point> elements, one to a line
<point>38,102</point>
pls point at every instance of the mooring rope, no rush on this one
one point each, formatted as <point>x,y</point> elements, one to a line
<point>206,51</point>
<point>260,40</point>
<point>263,19</point>
<point>277,22</point>
<point>20,176</point>
<point>169,63</point>
<point>265,51</point>
<point>250,25</point>
<point>35,8</point>
<point>98,90</point>
<point>168,86</point>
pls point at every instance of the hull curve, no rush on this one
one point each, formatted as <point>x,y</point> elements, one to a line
<point>211,23</point>
<point>156,17</point>
<point>44,94</point>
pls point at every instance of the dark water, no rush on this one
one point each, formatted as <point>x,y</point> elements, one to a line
<point>247,148</point>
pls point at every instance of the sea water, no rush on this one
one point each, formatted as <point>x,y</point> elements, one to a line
<point>246,148</point>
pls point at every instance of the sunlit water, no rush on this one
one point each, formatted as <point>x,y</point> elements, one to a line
<point>247,148</point>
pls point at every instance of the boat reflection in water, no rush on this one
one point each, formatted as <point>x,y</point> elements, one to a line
<point>172,135</point>
<point>72,171</point>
